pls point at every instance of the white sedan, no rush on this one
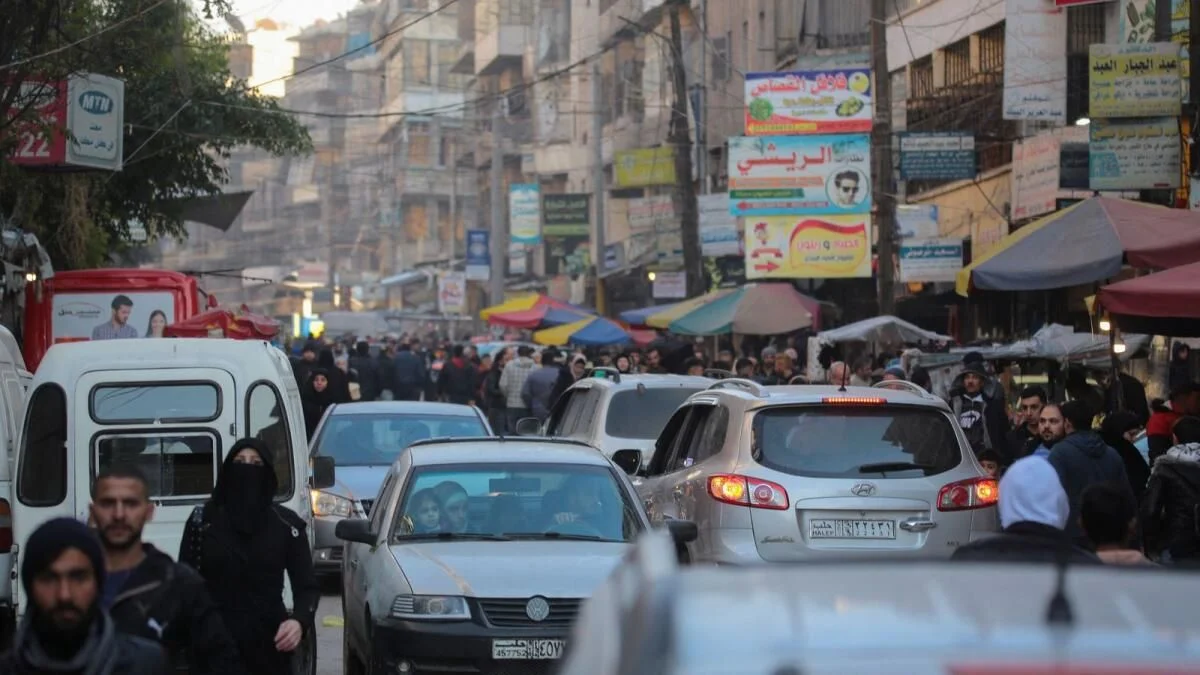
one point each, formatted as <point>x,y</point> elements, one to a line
<point>479,552</point>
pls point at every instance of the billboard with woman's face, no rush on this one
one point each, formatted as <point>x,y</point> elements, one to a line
<point>111,316</point>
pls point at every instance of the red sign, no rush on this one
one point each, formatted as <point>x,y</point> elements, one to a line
<point>40,139</point>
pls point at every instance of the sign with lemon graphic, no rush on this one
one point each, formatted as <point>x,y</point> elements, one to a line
<point>808,247</point>
<point>831,101</point>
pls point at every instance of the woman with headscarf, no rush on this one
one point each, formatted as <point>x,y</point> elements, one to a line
<point>315,397</point>
<point>339,382</point>
<point>242,543</point>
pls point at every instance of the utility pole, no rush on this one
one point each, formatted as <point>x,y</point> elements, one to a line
<point>702,117</point>
<point>598,187</point>
<point>499,234</point>
<point>453,234</point>
<point>681,144</point>
<point>881,143</point>
<point>1194,94</point>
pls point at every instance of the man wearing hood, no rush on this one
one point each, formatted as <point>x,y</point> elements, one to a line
<point>1171,511</point>
<point>1082,459</point>
<point>1033,514</point>
<point>978,406</point>
<point>459,379</point>
<point>146,592</point>
<point>65,630</point>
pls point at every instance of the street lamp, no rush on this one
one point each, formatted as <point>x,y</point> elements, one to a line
<point>1105,323</point>
<point>1083,121</point>
<point>1118,347</point>
<point>651,276</point>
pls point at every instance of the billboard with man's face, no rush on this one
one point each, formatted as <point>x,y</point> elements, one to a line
<point>109,316</point>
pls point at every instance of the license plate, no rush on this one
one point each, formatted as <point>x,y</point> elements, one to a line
<point>527,650</point>
<point>851,529</point>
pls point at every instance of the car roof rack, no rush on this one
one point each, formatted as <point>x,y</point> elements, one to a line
<point>719,373</point>
<point>904,385</point>
<point>740,383</point>
<point>606,373</point>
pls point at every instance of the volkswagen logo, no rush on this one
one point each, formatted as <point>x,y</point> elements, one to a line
<point>863,490</point>
<point>537,609</point>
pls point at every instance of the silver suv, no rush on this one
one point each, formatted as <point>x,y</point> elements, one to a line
<point>801,472</point>
<point>611,411</point>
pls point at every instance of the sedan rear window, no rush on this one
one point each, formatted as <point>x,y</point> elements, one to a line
<point>167,402</point>
<point>642,414</point>
<point>849,442</point>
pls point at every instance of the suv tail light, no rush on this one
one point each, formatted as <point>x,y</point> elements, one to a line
<point>973,493</point>
<point>745,491</point>
<point>6,533</point>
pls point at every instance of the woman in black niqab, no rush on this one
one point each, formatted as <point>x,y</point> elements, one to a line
<point>242,543</point>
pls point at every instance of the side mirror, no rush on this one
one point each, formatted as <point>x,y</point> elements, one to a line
<point>357,530</point>
<point>630,461</point>
<point>682,531</point>
<point>528,426</point>
<point>322,472</point>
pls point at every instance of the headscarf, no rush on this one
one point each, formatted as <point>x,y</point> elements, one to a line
<point>244,492</point>
<point>1031,492</point>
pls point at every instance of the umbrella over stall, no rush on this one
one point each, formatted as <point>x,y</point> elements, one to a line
<point>753,309</point>
<point>592,332</point>
<point>661,316</point>
<point>533,311</point>
<point>1166,303</point>
<point>1085,243</point>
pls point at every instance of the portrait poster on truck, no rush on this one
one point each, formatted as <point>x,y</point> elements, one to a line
<point>108,316</point>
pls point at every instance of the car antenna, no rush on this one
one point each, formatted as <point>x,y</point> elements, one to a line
<point>845,376</point>
<point>1059,613</point>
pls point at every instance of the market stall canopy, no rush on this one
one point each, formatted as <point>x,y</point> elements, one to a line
<point>661,316</point>
<point>1166,303</point>
<point>242,325</point>
<point>533,310</point>
<point>889,330</point>
<point>1054,342</point>
<point>592,332</point>
<point>1085,243</point>
<point>753,309</point>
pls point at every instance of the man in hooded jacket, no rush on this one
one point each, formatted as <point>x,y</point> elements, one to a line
<point>65,630</point>
<point>1082,460</point>
<point>1033,514</point>
<point>977,401</point>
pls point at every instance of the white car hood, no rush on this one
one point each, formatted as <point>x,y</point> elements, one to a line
<point>508,569</point>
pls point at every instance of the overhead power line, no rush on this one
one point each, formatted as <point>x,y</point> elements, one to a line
<point>71,45</point>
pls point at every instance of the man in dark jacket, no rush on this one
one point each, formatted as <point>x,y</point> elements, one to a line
<point>369,384</point>
<point>978,405</point>
<point>1184,400</point>
<point>146,592</point>
<point>1033,512</point>
<point>1025,437</point>
<point>459,380</point>
<point>1171,512</point>
<point>538,388</point>
<point>409,375</point>
<point>65,630</point>
<point>1082,459</point>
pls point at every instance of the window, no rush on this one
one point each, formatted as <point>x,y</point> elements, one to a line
<point>376,440</point>
<point>711,437</point>
<point>991,49</point>
<point>175,465</point>
<point>377,515</point>
<point>523,501</point>
<point>416,62</point>
<point>719,61</point>
<point>43,477</point>
<point>579,412</point>
<point>418,149</point>
<point>642,413</point>
<point>850,442</point>
<point>145,403</point>
<point>266,420</point>
<point>957,62</point>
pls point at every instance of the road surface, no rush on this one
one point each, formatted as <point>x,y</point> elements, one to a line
<point>329,633</point>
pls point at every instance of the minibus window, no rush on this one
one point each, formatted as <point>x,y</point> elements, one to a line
<point>145,403</point>
<point>43,476</point>
<point>267,421</point>
<point>175,465</point>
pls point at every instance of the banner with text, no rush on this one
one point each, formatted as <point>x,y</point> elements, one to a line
<point>930,260</point>
<point>778,175</point>
<point>948,155</point>
<point>524,213</point>
<point>452,293</point>
<point>1135,154</point>
<point>1035,66</point>
<point>831,101</point>
<point>479,255</point>
<point>566,215</point>
<point>808,247</point>
<point>719,233</point>
<point>1035,176</point>
<point>1134,80</point>
<point>645,167</point>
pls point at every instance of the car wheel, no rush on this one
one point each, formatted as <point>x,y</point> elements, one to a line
<point>351,664</point>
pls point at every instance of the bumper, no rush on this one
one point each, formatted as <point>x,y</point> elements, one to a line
<point>454,647</point>
<point>726,546</point>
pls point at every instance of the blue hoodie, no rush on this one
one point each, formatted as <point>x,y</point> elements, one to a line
<point>1082,460</point>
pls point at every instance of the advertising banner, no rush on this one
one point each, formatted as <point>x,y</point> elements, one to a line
<point>1134,80</point>
<point>718,228</point>
<point>479,255</point>
<point>565,215</point>
<point>1137,154</point>
<point>1035,64</point>
<point>809,247</point>
<point>946,155</point>
<point>1035,173</point>
<point>832,101</point>
<point>645,213</point>
<point>525,213</point>
<point>779,175</point>
<point>517,257</point>
<point>917,221</point>
<point>79,121</point>
<point>930,260</point>
<point>109,316</point>
<point>645,167</point>
<point>452,293</point>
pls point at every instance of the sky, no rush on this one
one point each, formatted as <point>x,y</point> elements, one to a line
<point>297,12</point>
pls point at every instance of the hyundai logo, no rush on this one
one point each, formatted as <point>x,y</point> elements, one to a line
<point>96,102</point>
<point>863,490</point>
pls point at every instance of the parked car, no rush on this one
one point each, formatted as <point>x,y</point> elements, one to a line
<point>364,439</point>
<point>786,473</point>
<point>479,552</point>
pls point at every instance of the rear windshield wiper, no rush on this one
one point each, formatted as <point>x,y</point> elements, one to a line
<point>452,536</point>
<point>887,467</point>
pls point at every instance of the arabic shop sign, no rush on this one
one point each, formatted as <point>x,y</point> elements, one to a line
<point>937,156</point>
<point>77,122</point>
<point>831,101</point>
<point>1134,80</point>
<point>565,214</point>
<point>931,260</point>
<point>524,213</point>
<point>799,175</point>
<point>1141,154</point>
<point>808,247</point>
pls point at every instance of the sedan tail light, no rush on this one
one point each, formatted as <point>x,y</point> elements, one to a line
<point>973,493</point>
<point>746,491</point>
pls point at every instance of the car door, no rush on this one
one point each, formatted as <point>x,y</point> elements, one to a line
<point>665,490</point>
<point>355,573</point>
<point>684,488</point>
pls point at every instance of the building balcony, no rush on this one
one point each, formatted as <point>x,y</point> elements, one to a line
<point>504,29</point>
<point>513,138</point>
<point>465,63</point>
<point>616,17</point>
<point>315,81</point>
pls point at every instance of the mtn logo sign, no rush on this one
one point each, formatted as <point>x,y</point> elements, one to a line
<point>96,102</point>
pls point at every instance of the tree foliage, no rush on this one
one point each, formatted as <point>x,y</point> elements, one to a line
<point>184,112</point>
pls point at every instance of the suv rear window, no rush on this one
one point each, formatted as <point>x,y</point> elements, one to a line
<point>850,442</point>
<point>642,414</point>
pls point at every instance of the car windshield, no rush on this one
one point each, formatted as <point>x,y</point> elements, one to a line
<point>525,501</point>
<point>854,441</point>
<point>376,439</point>
<point>641,414</point>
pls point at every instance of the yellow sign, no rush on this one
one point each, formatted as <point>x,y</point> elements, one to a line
<point>808,247</point>
<point>644,168</point>
<point>1134,80</point>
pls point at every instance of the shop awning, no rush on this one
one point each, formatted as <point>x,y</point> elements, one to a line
<point>1166,303</point>
<point>1085,243</point>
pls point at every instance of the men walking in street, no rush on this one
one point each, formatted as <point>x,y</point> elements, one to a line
<point>538,389</point>
<point>1025,436</point>
<point>1051,429</point>
<point>146,592</point>
<point>65,630</point>
<point>459,380</point>
<point>408,374</point>
<point>369,383</point>
<point>512,383</point>
<point>1082,459</point>
<point>980,412</point>
<point>1171,512</point>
